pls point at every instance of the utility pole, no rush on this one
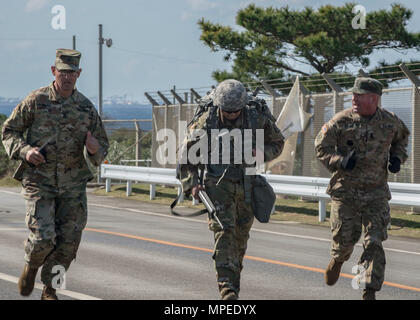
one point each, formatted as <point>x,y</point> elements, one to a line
<point>74,42</point>
<point>108,43</point>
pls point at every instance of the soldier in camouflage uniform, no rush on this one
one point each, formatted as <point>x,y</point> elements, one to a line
<point>228,107</point>
<point>359,145</point>
<point>54,178</point>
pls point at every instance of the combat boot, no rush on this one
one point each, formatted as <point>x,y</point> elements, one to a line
<point>27,280</point>
<point>48,293</point>
<point>229,294</point>
<point>332,273</point>
<point>369,294</point>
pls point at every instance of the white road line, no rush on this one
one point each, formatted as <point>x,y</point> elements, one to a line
<point>71,294</point>
<point>257,230</point>
<point>10,192</point>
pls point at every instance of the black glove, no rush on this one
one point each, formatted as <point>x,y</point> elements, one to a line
<point>349,161</point>
<point>394,165</point>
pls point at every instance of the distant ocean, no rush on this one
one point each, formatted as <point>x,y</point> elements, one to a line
<point>111,111</point>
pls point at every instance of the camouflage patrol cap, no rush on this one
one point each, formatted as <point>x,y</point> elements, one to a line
<point>67,59</point>
<point>230,95</point>
<point>363,85</point>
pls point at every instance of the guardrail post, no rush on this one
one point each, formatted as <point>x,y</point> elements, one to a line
<point>152,191</point>
<point>129,187</point>
<point>108,184</point>
<point>180,194</point>
<point>322,210</point>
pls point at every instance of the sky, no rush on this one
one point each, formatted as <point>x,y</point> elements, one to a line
<point>156,44</point>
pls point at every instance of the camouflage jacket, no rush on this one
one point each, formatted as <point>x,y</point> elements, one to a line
<point>373,141</point>
<point>45,115</point>
<point>254,116</point>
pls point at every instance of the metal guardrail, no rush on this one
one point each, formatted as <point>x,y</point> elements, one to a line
<point>149,175</point>
<point>404,194</point>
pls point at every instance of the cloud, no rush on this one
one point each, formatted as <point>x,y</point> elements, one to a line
<point>22,45</point>
<point>186,15</point>
<point>129,68</point>
<point>201,5</point>
<point>33,5</point>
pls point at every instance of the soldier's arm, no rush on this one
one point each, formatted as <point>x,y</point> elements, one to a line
<point>325,147</point>
<point>400,142</point>
<point>273,141</point>
<point>14,128</point>
<point>187,172</point>
<point>98,131</point>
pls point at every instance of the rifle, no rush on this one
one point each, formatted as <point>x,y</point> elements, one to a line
<point>211,209</point>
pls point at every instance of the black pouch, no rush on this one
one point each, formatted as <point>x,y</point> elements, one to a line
<point>263,199</point>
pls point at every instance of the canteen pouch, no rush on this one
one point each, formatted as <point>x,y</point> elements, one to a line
<point>263,199</point>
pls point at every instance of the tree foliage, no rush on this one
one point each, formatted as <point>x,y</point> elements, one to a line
<point>277,43</point>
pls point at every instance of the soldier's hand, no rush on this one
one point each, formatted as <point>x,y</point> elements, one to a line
<point>92,144</point>
<point>394,165</point>
<point>195,190</point>
<point>35,157</point>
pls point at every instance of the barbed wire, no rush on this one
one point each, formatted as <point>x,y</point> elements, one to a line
<point>311,81</point>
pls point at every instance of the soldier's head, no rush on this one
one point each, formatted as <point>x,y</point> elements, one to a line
<point>366,95</point>
<point>66,70</point>
<point>231,97</point>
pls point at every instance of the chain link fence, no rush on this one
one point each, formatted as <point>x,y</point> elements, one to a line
<point>403,101</point>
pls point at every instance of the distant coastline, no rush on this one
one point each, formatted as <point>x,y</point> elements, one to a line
<point>110,110</point>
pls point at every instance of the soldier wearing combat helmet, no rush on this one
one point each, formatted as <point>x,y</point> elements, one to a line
<point>229,107</point>
<point>359,145</point>
<point>52,131</point>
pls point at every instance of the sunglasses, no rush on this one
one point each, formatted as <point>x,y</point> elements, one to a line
<point>232,112</point>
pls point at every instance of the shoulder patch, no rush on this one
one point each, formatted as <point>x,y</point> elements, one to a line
<point>324,128</point>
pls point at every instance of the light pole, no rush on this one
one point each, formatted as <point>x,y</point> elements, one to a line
<point>108,43</point>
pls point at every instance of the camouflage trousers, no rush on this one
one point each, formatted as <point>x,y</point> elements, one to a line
<point>231,242</point>
<point>347,221</point>
<point>55,220</point>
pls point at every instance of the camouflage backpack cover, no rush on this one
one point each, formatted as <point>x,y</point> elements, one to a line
<point>262,196</point>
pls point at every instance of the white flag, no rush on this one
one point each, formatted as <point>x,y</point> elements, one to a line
<point>292,117</point>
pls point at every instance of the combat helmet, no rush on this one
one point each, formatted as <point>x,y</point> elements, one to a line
<point>230,95</point>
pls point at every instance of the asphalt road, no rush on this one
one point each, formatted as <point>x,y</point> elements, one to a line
<point>133,250</point>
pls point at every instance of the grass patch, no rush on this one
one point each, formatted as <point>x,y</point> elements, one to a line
<point>287,209</point>
<point>9,182</point>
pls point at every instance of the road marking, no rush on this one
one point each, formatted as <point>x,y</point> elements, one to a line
<point>147,212</point>
<point>277,262</point>
<point>10,192</point>
<point>71,294</point>
<point>253,229</point>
